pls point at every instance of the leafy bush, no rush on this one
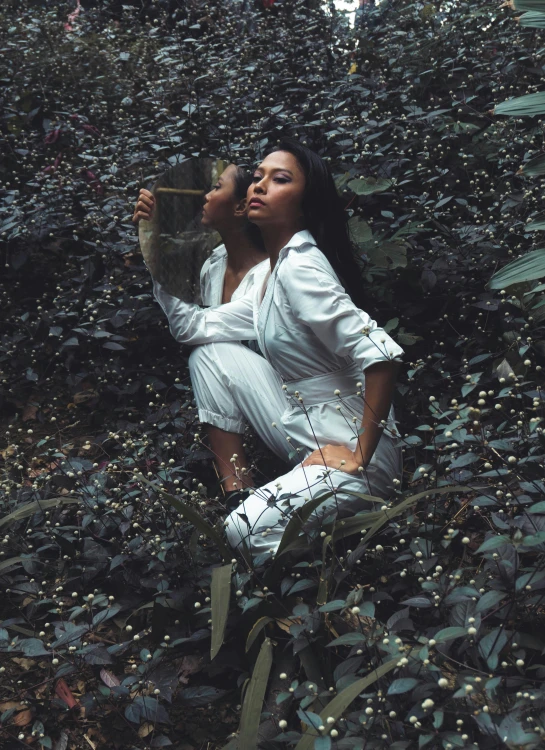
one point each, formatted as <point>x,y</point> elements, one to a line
<point>419,623</point>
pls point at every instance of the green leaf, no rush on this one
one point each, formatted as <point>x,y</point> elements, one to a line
<point>347,639</point>
<point>333,606</point>
<point>533,19</point>
<point>340,703</point>
<point>298,519</point>
<point>493,543</point>
<point>9,562</point>
<point>253,699</point>
<point>491,645</point>
<point>30,508</point>
<point>536,166</point>
<point>489,599</point>
<point>529,105</point>
<point>535,508</point>
<point>387,515</point>
<point>369,185</point>
<point>388,254</point>
<point>193,517</point>
<point>220,594</point>
<point>33,647</point>
<point>533,5</point>
<point>464,460</point>
<point>530,266</point>
<point>403,685</point>
<point>322,743</point>
<point>360,230</point>
<point>256,630</point>
<point>448,634</point>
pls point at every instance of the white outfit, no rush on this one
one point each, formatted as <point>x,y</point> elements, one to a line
<point>212,278</point>
<point>318,344</point>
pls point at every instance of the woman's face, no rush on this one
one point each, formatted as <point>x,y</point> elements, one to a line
<point>275,197</point>
<point>221,207</point>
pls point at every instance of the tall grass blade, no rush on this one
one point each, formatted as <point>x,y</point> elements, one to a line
<point>220,595</point>
<point>387,515</point>
<point>30,508</point>
<point>256,630</point>
<point>340,703</point>
<point>253,699</point>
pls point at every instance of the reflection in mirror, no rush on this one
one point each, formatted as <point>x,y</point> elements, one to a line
<point>174,243</point>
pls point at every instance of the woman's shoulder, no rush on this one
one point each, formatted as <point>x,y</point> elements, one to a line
<point>216,254</point>
<point>304,259</point>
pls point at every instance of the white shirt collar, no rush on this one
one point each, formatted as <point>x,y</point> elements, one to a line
<point>304,237</point>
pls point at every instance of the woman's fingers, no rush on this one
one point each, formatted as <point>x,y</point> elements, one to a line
<point>316,458</point>
<point>144,206</point>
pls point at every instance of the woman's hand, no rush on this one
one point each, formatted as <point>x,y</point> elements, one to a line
<point>334,457</point>
<point>144,207</point>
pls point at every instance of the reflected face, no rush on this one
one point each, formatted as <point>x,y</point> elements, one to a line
<point>220,204</point>
<point>276,195</point>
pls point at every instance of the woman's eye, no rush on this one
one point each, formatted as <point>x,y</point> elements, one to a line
<point>256,177</point>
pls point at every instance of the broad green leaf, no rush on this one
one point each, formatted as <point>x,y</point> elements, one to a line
<point>535,167</point>
<point>369,185</point>
<point>340,703</point>
<point>528,267</point>
<point>531,5</point>
<point>347,639</point>
<point>448,634</point>
<point>388,254</point>
<point>491,645</point>
<point>534,226</point>
<point>220,595</point>
<point>253,699</point>
<point>493,543</point>
<point>489,599</point>
<point>402,685</point>
<point>530,105</point>
<point>11,561</point>
<point>360,231</point>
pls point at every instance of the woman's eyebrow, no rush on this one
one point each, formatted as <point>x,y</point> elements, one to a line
<point>276,169</point>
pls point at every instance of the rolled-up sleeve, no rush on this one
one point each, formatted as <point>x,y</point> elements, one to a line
<point>191,324</point>
<point>318,300</point>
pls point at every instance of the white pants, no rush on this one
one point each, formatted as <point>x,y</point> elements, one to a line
<point>234,385</point>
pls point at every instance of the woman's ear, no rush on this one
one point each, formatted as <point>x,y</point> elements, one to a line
<point>240,208</point>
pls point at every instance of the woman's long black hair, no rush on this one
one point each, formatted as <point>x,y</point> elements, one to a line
<point>326,218</point>
<point>242,181</point>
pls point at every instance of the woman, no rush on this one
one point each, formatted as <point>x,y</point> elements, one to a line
<point>230,270</point>
<point>337,366</point>
<point>229,273</point>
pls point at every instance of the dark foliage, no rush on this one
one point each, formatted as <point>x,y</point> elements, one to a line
<point>418,625</point>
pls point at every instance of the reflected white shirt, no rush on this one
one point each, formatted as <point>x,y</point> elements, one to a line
<point>212,278</point>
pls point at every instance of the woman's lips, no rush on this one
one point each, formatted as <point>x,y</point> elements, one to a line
<point>254,203</point>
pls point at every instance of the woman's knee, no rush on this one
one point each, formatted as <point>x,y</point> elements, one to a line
<point>201,359</point>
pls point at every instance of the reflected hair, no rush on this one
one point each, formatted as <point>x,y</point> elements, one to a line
<point>242,181</point>
<point>325,217</point>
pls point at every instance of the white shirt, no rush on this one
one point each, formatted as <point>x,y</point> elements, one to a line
<point>307,327</point>
<point>213,277</point>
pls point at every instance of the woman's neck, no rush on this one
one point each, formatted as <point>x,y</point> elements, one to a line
<point>241,251</point>
<point>275,238</point>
